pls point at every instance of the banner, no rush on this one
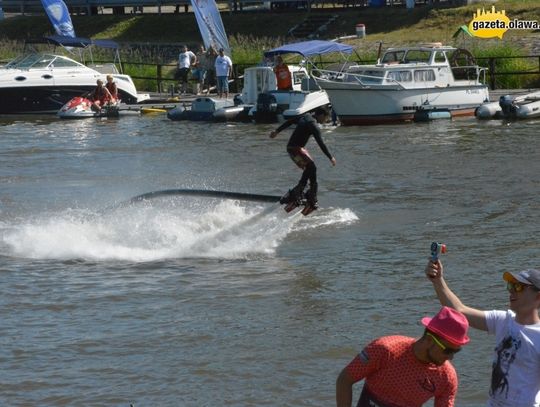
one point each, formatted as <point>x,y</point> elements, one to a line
<point>59,16</point>
<point>210,25</point>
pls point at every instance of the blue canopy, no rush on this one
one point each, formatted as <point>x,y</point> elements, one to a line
<point>310,48</point>
<point>79,42</point>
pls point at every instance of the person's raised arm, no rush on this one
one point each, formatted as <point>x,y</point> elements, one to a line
<point>434,272</point>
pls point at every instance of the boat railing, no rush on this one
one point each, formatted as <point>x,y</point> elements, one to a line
<point>470,72</point>
<point>361,79</point>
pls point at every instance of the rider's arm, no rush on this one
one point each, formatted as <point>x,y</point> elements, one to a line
<point>318,138</point>
<point>476,317</point>
<point>282,127</point>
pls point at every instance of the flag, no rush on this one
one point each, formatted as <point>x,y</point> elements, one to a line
<point>210,24</point>
<point>59,16</point>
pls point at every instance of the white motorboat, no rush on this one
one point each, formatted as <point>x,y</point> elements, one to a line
<point>405,81</point>
<point>44,82</point>
<point>264,102</point>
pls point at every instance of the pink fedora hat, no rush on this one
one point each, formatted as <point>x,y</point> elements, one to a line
<point>450,325</point>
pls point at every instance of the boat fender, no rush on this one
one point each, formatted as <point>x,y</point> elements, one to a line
<point>238,100</point>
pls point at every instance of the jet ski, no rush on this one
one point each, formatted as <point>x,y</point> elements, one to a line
<point>80,107</point>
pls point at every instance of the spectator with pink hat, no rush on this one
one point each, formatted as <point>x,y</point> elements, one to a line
<point>515,378</point>
<point>406,372</point>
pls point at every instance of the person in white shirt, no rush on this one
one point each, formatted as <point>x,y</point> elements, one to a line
<point>186,59</point>
<point>223,73</point>
<point>515,378</point>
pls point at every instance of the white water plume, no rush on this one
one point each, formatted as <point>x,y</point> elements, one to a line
<point>156,230</point>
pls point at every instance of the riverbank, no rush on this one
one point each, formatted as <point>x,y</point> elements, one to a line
<point>391,25</point>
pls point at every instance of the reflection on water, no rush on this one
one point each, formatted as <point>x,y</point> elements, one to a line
<point>202,302</point>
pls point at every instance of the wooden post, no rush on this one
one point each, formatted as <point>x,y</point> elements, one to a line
<point>159,78</point>
<point>492,73</point>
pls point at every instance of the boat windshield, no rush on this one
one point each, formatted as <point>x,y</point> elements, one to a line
<point>417,56</point>
<point>41,61</point>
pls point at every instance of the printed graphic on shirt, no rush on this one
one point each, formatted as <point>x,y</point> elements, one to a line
<point>506,354</point>
<point>364,356</point>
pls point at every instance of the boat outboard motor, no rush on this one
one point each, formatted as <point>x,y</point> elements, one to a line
<point>238,100</point>
<point>507,105</point>
<point>267,108</point>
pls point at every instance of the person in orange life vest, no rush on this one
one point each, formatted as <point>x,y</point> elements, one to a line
<point>283,75</point>
<point>111,87</point>
<point>406,372</point>
<point>100,96</point>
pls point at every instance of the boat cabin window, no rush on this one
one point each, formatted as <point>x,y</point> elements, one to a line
<point>399,76</point>
<point>439,57</point>
<point>417,56</point>
<point>424,75</point>
<point>392,57</point>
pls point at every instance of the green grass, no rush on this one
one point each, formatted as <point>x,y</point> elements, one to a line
<point>390,25</point>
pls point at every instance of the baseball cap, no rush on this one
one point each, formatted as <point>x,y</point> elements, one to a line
<point>530,276</point>
<point>450,325</point>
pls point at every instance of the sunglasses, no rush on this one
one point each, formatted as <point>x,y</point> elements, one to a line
<point>517,287</point>
<point>444,348</point>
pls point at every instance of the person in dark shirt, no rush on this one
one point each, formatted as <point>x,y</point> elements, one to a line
<point>306,126</point>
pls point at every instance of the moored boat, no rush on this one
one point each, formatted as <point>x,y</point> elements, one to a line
<point>41,82</point>
<point>406,80</point>
<point>511,107</point>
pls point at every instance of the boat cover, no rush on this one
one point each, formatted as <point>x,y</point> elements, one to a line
<point>310,48</point>
<point>80,42</point>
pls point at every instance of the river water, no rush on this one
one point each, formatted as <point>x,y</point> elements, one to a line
<point>200,302</point>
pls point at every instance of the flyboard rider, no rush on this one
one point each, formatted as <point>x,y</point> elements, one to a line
<point>306,126</point>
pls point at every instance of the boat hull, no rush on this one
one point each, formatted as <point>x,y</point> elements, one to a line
<point>45,99</point>
<point>357,105</point>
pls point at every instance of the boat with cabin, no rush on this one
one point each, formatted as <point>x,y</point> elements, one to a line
<point>43,82</point>
<point>261,100</point>
<point>407,83</point>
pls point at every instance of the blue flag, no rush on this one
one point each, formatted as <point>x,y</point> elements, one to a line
<point>59,16</point>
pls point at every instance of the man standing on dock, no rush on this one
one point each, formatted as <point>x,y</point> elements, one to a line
<point>186,59</point>
<point>223,73</point>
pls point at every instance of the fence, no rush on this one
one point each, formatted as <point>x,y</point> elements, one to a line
<point>500,69</point>
<point>91,7</point>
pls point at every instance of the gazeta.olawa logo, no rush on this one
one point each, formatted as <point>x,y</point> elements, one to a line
<point>490,24</point>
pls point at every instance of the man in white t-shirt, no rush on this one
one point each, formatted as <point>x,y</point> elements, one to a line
<point>515,378</point>
<point>186,59</point>
<point>223,66</point>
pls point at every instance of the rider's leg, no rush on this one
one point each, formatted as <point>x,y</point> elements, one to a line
<point>311,194</point>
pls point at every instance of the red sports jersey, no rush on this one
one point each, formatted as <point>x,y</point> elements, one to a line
<point>396,378</point>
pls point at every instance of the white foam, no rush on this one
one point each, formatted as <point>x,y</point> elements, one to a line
<point>161,230</point>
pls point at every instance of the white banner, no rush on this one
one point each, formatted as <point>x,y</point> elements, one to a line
<point>210,24</point>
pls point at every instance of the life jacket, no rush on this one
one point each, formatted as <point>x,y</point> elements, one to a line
<point>111,87</point>
<point>283,77</point>
<point>101,95</point>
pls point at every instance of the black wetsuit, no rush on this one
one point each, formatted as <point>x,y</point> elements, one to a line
<point>306,126</point>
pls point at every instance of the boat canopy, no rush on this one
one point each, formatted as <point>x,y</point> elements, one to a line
<point>74,42</point>
<point>80,42</point>
<point>310,48</point>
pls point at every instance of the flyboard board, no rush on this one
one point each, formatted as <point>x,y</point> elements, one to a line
<point>241,196</point>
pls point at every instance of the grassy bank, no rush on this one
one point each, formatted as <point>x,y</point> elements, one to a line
<point>252,32</point>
